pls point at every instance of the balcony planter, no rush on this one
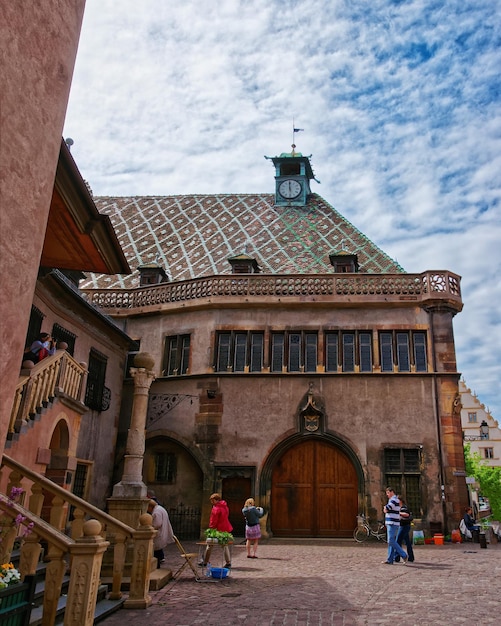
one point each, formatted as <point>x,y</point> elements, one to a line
<point>16,602</point>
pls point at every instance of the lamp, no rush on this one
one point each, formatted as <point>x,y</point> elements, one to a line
<point>484,433</point>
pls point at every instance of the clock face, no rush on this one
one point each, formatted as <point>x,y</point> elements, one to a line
<point>290,189</point>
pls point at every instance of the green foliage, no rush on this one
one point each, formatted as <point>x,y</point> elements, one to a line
<point>489,479</point>
<point>222,536</point>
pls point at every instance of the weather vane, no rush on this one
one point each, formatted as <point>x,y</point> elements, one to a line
<point>294,131</point>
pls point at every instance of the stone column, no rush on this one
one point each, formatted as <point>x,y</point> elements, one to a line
<point>128,501</point>
<point>132,478</point>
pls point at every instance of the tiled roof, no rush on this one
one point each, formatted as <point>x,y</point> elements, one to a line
<point>194,236</point>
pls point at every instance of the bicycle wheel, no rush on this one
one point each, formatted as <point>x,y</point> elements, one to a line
<point>382,534</point>
<point>361,534</point>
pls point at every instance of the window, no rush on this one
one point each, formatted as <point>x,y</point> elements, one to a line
<point>419,344</point>
<point>177,355</point>
<point>297,351</point>
<point>95,380</point>
<point>395,348</point>
<point>403,473</point>
<point>165,467</point>
<point>135,347</point>
<point>82,479</point>
<point>386,347</point>
<point>61,334</point>
<point>34,326</point>
<point>331,352</point>
<point>488,453</point>
<point>403,361</point>
<point>472,417</point>
<point>356,349</point>
<point>238,351</point>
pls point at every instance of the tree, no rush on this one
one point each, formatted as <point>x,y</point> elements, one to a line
<point>489,479</point>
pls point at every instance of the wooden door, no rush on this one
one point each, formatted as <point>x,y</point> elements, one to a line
<point>314,492</point>
<point>236,490</point>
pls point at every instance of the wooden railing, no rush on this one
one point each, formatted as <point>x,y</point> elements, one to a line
<point>59,375</point>
<point>64,546</point>
<point>341,288</point>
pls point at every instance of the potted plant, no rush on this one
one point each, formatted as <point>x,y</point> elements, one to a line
<point>218,536</point>
<point>224,537</point>
<point>211,535</point>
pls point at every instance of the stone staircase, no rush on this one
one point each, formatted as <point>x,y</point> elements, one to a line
<point>104,605</point>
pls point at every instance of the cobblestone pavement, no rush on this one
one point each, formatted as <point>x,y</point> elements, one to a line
<point>320,582</point>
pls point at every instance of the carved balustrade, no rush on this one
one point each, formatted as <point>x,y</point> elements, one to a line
<point>83,541</point>
<point>426,288</point>
<point>58,374</point>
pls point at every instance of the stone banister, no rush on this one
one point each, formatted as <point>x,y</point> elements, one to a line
<point>58,374</point>
<point>431,288</point>
<point>120,532</point>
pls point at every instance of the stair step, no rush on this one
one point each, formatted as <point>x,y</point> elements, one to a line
<point>104,607</point>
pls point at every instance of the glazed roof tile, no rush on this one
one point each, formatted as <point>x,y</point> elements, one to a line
<point>194,236</point>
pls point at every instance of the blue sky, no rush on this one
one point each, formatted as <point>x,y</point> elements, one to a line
<point>400,102</point>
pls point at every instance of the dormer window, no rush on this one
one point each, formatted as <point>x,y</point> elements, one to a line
<point>151,275</point>
<point>243,264</point>
<point>344,263</point>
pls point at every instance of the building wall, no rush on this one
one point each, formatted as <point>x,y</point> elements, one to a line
<point>39,42</point>
<point>254,415</point>
<point>93,434</point>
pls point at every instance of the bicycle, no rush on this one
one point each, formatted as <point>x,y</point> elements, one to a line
<point>364,530</point>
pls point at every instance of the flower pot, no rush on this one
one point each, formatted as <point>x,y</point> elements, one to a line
<point>16,601</point>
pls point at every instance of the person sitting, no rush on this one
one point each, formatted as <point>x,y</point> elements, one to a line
<point>469,519</point>
<point>41,348</point>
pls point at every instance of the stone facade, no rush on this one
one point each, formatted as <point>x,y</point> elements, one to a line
<point>299,434</point>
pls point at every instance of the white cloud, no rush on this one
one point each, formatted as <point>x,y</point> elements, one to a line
<point>400,102</point>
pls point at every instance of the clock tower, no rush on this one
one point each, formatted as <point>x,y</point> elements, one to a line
<point>292,178</point>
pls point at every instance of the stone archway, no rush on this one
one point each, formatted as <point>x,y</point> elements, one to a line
<point>314,490</point>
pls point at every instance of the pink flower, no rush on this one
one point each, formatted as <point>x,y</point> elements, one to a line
<point>19,519</point>
<point>15,492</point>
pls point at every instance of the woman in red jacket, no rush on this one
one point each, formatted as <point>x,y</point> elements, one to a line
<point>219,519</point>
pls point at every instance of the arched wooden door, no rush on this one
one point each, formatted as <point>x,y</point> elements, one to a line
<point>314,492</point>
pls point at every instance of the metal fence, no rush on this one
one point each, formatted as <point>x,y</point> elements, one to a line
<point>185,521</point>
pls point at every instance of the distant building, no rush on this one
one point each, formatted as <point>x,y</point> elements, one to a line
<point>480,429</point>
<point>295,361</point>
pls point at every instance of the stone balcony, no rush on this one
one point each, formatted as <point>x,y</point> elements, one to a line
<point>428,289</point>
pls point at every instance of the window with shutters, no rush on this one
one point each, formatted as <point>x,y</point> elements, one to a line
<point>239,351</point>
<point>95,380</point>
<point>176,355</point>
<point>403,473</point>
